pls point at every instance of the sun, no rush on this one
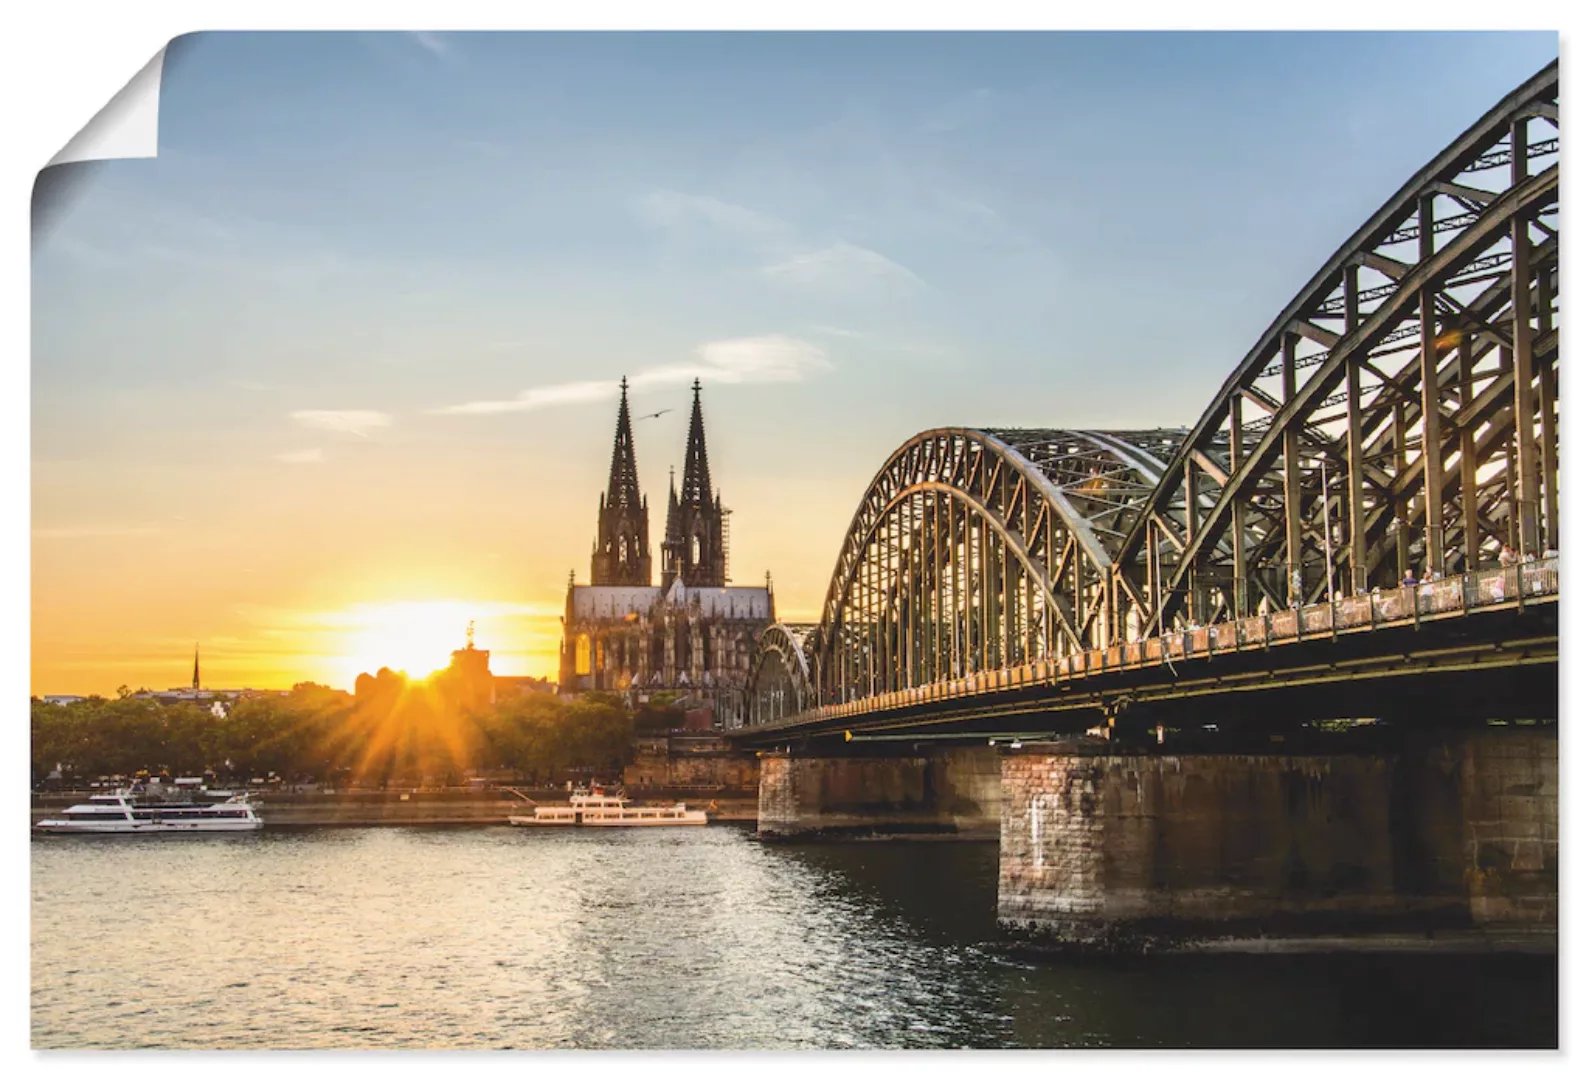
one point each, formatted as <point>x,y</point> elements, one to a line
<point>416,637</point>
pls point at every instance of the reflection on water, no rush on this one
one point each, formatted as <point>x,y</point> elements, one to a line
<point>653,938</point>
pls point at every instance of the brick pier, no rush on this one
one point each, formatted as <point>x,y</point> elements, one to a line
<point>1452,838</point>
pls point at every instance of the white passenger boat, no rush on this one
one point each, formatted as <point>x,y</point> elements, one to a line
<point>122,813</point>
<point>586,808</point>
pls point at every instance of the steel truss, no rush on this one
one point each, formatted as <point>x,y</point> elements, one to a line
<point>780,681</point>
<point>1435,325</point>
<point>973,550</point>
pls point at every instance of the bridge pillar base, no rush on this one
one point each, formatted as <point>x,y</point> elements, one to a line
<point>946,792</point>
<point>1449,843</point>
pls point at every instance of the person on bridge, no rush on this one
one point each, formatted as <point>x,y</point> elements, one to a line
<point>1408,578</point>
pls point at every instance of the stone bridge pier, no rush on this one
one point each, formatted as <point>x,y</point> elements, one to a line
<point>838,794</point>
<point>1446,840</point>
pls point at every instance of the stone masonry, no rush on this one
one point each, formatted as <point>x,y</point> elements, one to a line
<point>954,791</point>
<point>1101,849</point>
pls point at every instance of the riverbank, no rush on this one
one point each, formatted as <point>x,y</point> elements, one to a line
<point>400,808</point>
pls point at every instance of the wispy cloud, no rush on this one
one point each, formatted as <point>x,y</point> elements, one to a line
<point>433,44</point>
<point>794,260</point>
<point>312,456</point>
<point>358,422</point>
<point>841,264</point>
<point>537,398</point>
<point>769,358</point>
<point>676,210</point>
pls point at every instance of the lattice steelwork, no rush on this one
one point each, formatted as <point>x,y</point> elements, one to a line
<point>973,550</point>
<point>780,679</point>
<point>1434,326</point>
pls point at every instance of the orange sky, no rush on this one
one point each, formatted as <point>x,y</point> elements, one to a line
<point>285,573</point>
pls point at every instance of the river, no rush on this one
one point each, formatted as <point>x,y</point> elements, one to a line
<point>661,938</point>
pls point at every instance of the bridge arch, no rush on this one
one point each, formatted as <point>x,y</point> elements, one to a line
<point>1434,325</point>
<point>780,675</point>
<point>974,549</point>
<point>1399,414</point>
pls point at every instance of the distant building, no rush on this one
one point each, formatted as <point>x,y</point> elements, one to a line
<point>692,632</point>
<point>468,680</point>
<point>468,685</point>
<point>512,686</point>
<point>217,701</point>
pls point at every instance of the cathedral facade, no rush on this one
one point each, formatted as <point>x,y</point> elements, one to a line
<point>691,632</point>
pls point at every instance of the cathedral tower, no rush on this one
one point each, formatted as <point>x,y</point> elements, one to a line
<point>622,554</point>
<point>695,547</point>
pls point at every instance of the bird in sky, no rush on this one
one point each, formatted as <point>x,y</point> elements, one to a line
<point>653,416</point>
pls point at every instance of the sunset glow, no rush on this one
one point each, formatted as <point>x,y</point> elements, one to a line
<point>415,638</point>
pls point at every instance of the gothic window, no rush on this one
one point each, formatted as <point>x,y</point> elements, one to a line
<point>582,655</point>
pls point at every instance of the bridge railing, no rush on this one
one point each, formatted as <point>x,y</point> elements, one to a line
<point>1519,584</point>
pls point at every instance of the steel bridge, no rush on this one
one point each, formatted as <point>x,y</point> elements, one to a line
<point>1372,431</point>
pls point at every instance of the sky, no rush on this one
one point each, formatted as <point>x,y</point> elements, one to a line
<point>336,372</point>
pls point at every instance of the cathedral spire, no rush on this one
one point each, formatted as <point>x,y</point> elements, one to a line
<point>697,475</point>
<point>671,534</point>
<point>623,549</point>
<point>623,483</point>
<point>694,547</point>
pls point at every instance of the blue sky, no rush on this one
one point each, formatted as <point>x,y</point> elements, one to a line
<point>352,337</point>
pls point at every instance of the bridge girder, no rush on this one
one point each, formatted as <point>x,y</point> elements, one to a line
<point>1434,325</point>
<point>973,549</point>
<point>1308,472</point>
<point>780,677</point>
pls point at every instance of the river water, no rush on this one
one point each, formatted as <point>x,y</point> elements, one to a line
<point>660,938</point>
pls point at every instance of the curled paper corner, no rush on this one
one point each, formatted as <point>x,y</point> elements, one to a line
<point>127,127</point>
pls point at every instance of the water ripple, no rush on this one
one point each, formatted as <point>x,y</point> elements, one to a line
<point>702,938</point>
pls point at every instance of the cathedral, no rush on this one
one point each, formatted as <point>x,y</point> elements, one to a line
<point>692,632</point>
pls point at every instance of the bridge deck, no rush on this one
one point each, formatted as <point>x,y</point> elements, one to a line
<point>1521,586</point>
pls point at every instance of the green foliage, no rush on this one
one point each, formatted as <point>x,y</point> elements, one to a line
<point>390,729</point>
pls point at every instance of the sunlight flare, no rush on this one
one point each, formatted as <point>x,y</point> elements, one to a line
<point>416,637</point>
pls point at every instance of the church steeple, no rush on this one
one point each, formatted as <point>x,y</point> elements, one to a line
<point>694,548</point>
<point>622,555</point>
<point>623,484</point>
<point>195,666</point>
<point>697,475</point>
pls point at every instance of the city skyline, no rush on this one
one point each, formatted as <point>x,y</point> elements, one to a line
<point>335,373</point>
